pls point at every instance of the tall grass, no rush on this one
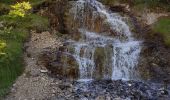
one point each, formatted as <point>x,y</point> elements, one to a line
<point>11,66</point>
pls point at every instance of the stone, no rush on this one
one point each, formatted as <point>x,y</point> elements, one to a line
<point>1,24</point>
<point>43,71</point>
<point>129,84</point>
<point>100,98</point>
<point>34,73</point>
<point>117,98</point>
<point>65,86</point>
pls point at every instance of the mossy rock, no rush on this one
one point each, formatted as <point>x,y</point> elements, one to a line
<point>102,59</point>
<point>162,27</point>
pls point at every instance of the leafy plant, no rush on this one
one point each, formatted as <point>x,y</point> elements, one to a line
<point>2,46</point>
<point>20,9</point>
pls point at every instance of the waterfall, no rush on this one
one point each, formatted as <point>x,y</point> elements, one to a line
<point>99,53</point>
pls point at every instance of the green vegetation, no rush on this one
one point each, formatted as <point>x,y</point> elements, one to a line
<point>33,2</point>
<point>7,1</point>
<point>37,2</point>
<point>109,2</point>
<point>19,9</point>
<point>141,4</point>
<point>14,30</point>
<point>163,28</point>
<point>2,46</point>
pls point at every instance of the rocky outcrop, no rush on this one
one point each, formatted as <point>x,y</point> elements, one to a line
<point>56,13</point>
<point>154,63</point>
<point>60,64</point>
<point>94,22</point>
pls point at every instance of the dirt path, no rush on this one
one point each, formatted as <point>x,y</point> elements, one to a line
<point>34,83</point>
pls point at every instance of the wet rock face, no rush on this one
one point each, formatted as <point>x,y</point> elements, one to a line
<point>102,58</point>
<point>63,63</point>
<point>86,18</point>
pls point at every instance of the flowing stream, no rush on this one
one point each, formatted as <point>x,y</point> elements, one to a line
<point>100,54</point>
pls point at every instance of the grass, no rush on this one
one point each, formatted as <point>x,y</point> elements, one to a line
<point>11,66</point>
<point>162,26</point>
<point>142,4</point>
<point>13,33</point>
<point>36,2</point>
<point>153,5</point>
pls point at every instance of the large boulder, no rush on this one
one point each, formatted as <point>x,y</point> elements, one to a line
<point>61,64</point>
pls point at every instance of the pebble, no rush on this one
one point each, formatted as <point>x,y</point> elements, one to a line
<point>43,71</point>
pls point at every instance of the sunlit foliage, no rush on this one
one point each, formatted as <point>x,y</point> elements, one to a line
<point>20,9</point>
<point>2,46</point>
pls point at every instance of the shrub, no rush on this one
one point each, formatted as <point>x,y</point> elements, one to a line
<point>2,46</point>
<point>20,9</point>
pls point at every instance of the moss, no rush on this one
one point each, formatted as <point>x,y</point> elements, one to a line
<point>162,26</point>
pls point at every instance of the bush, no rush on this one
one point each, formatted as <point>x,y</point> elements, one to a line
<point>2,46</point>
<point>20,9</point>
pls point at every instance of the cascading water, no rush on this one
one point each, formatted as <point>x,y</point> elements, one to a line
<point>98,54</point>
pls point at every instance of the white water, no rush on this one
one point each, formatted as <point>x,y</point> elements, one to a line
<point>125,49</point>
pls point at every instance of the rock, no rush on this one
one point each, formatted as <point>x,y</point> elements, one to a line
<point>43,71</point>
<point>99,90</point>
<point>164,92</point>
<point>100,98</point>
<point>34,73</point>
<point>65,86</point>
<point>1,24</point>
<point>129,84</point>
<point>117,98</point>
<point>60,63</point>
<point>28,55</point>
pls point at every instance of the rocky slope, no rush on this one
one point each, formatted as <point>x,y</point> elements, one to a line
<point>38,83</point>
